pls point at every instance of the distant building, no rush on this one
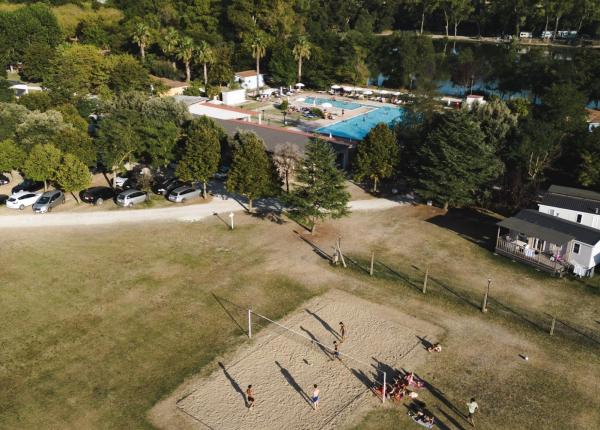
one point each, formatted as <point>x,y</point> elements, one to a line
<point>247,79</point>
<point>273,136</point>
<point>173,88</point>
<point>22,89</point>
<point>201,106</point>
<point>563,235</point>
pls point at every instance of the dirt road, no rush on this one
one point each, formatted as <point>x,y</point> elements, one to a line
<point>188,213</point>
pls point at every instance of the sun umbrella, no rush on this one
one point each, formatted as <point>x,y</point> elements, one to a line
<point>301,99</point>
<point>348,89</point>
<point>368,92</point>
<point>335,87</point>
<point>383,92</point>
<point>299,85</point>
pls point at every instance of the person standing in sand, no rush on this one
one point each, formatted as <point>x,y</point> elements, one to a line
<point>336,351</point>
<point>315,397</point>
<point>250,396</point>
<point>342,331</point>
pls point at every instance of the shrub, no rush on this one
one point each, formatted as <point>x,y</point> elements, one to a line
<point>318,112</point>
<point>284,105</point>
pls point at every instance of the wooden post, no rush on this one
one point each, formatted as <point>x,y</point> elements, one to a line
<point>485,297</point>
<point>372,263</point>
<point>339,247</point>
<point>498,237</point>
<point>425,280</point>
<point>552,326</point>
<point>250,323</point>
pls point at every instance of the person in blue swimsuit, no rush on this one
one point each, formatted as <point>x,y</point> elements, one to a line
<point>315,397</point>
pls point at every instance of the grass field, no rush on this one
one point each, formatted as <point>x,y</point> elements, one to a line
<point>99,325</point>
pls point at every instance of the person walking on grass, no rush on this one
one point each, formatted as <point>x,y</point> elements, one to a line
<point>342,331</point>
<point>315,397</point>
<point>473,407</point>
<point>250,396</point>
<point>336,350</point>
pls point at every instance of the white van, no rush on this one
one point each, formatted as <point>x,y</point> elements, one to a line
<point>525,35</point>
<point>547,34</point>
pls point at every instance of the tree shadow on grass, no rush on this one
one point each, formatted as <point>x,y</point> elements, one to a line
<point>471,224</point>
<point>292,381</point>
<point>233,383</point>
<point>319,251</point>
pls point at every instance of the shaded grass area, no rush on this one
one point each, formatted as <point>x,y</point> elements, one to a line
<point>98,325</point>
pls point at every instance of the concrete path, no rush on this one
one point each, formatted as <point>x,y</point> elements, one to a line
<point>187,213</point>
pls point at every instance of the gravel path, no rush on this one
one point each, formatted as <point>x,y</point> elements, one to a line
<point>186,213</point>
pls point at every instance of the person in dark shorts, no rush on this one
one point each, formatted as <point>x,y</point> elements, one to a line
<point>250,396</point>
<point>342,331</point>
<point>315,397</point>
<point>336,350</point>
<point>473,407</point>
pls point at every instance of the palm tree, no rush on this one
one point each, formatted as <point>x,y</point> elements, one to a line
<point>141,36</point>
<point>205,56</point>
<point>257,42</point>
<point>169,44</point>
<point>185,53</point>
<point>301,51</point>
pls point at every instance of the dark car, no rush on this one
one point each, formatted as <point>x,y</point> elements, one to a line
<point>28,185</point>
<point>3,199</point>
<point>97,195</point>
<point>172,185</point>
<point>162,185</point>
<point>4,179</point>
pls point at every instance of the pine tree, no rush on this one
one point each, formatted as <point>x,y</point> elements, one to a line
<point>456,162</point>
<point>252,173</point>
<point>42,163</point>
<point>377,155</point>
<point>322,191</point>
<point>202,153</point>
<point>73,175</point>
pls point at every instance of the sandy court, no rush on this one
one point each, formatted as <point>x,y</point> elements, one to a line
<point>282,367</point>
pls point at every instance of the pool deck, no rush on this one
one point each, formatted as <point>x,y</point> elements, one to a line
<point>312,126</point>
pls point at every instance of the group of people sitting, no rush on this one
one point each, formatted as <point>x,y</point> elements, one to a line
<point>399,389</point>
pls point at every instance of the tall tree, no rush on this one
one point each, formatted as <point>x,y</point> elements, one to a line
<point>42,163</point>
<point>496,121</point>
<point>321,192</point>
<point>286,158</point>
<point>185,52</point>
<point>301,51</point>
<point>257,42</point>
<point>72,175</point>
<point>252,172</point>
<point>169,44</point>
<point>202,153</point>
<point>457,165</point>
<point>11,156</point>
<point>377,155</point>
<point>205,56</point>
<point>141,37</point>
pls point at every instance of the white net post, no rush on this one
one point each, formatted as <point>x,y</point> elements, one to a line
<point>250,323</point>
<point>384,387</point>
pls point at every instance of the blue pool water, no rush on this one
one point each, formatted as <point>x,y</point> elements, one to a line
<point>358,127</point>
<point>340,104</point>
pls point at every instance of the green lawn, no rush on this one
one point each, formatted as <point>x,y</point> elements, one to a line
<point>98,326</point>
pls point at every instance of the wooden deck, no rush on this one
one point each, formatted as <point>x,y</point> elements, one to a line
<point>538,260</point>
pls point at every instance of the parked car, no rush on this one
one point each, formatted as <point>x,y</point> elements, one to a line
<point>49,200</point>
<point>3,199</point>
<point>163,186</point>
<point>131,197</point>
<point>21,200</point>
<point>4,179</point>
<point>97,195</point>
<point>181,194</point>
<point>125,178</point>
<point>28,186</point>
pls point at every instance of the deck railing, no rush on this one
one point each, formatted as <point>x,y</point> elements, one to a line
<point>536,259</point>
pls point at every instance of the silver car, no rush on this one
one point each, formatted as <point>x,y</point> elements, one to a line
<point>131,197</point>
<point>48,200</point>
<point>181,194</point>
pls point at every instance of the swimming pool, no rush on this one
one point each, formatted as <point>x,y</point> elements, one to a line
<point>340,104</point>
<point>358,127</point>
